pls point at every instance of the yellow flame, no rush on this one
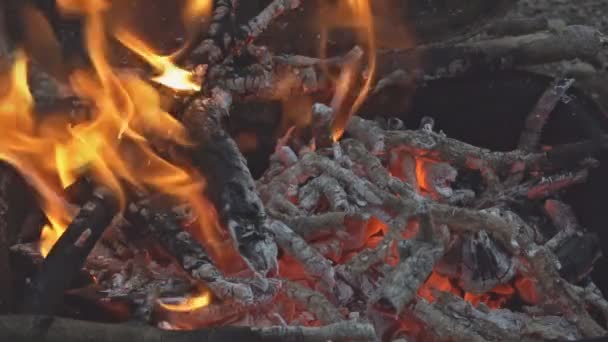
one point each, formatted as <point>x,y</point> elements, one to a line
<point>197,9</point>
<point>170,75</point>
<point>202,299</point>
<point>50,234</point>
<point>113,146</point>
<point>358,15</point>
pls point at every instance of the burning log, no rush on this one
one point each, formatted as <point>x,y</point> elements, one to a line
<point>232,188</point>
<point>68,255</point>
<point>53,329</point>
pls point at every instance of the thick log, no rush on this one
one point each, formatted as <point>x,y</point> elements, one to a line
<point>53,329</point>
<point>68,255</point>
<point>230,185</point>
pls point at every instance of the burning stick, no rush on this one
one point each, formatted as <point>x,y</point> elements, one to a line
<point>310,194</point>
<point>231,187</point>
<point>313,301</point>
<point>190,254</point>
<point>419,257</point>
<point>528,141</point>
<point>68,255</point>
<point>557,291</point>
<point>313,261</point>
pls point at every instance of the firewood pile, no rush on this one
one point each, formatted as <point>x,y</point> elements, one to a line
<point>128,211</point>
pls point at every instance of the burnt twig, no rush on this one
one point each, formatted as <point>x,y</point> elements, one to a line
<point>311,259</point>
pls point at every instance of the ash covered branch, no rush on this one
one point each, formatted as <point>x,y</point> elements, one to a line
<point>230,187</point>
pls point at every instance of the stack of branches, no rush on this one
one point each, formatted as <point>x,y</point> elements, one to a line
<point>324,201</point>
<point>353,179</point>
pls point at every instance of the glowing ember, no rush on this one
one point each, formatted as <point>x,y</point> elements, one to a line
<point>526,288</point>
<point>494,299</point>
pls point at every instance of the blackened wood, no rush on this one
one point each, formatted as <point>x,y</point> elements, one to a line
<point>68,255</point>
<point>260,23</point>
<point>51,329</point>
<point>230,185</point>
<point>15,200</point>
<point>577,255</point>
<point>485,264</point>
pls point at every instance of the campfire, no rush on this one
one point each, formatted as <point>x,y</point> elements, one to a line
<point>129,211</point>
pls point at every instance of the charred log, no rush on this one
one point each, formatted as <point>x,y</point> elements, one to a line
<point>52,329</point>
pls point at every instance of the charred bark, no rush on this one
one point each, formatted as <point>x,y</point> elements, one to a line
<point>68,255</point>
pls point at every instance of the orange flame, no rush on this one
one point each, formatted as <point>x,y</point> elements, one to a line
<point>197,301</point>
<point>195,10</point>
<point>360,13</point>
<point>113,147</point>
<point>170,75</point>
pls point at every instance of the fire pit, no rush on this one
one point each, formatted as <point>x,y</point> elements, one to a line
<point>396,180</point>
